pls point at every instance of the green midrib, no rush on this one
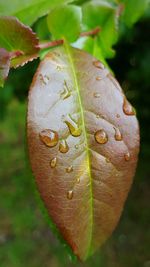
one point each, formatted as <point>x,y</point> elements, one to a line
<point>67,48</point>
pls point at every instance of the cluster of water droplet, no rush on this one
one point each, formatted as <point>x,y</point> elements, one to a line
<point>51,138</point>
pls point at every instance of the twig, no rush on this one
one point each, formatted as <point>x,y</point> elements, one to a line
<point>61,41</point>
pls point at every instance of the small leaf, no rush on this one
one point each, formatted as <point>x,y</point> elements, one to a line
<point>134,10</point>
<point>15,36</point>
<point>83,140</point>
<point>29,11</point>
<point>4,65</point>
<point>103,14</point>
<point>65,21</point>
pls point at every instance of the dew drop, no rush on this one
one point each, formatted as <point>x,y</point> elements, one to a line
<point>66,91</point>
<point>44,79</point>
<point>127,108</point>
<point>49,137</point>
<point>98,78</point>
<point>78,180</point>
<point>118,135</point>
<point>59,67</point>
<point>70,194</point>
<point>98,64</point>
<point>53,162</point>
<point>97,116</point>
<point>76,146</point>
<point>69,169</point>
<point>63,146</point>
<point>118,116</point>
<point>101,137</point>
<point>73,126</point>
<point>97,95</point>
<point>127,156</point>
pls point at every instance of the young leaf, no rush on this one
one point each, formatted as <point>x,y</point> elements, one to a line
<point>83,141</point>
<point>4,65</point>
<point>30,10</point>
<point>15,36</point>
<point>134,10</point>
<point>65,21</point>
<point>103,14</point>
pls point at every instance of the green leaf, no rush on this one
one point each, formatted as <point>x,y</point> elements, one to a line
<point>4,65</point>
<point>103,14</point>
<point>65,21</point>
<point>28,11</point>
<point>15,36</point>
<point>134,10</point>
<point>83,144</point>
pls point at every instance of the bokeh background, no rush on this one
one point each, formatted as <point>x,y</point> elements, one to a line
<point>25,236</point>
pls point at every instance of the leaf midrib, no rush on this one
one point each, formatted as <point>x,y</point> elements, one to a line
<point>67,48</point>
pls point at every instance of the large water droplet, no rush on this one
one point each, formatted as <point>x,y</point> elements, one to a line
<point>97,95</point>
<point>53,162</point>
<point>98,64</point>
<point>70,194</point>
<point>66,91</point>
<point>63,146</point>
<point>73,126</point>
<point>101,137</point>
<point>127,108</point>
<point>127,156</point>
<point>49,137</point>
<point>69,169</point>
<point>118,135</point>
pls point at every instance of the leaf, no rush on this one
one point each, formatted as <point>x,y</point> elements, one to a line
<point>4,65</point>
<point>134,10</point>
<point>103,14</point>
<point>15,36</point>
<point>28,11</point>
<point>83,141</point>
<point>65,21</point>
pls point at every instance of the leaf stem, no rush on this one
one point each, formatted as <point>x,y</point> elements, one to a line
<point>93,32</point>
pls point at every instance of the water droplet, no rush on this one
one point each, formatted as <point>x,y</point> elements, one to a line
<point>127,156</point>
<point>78,180</point>
<point>49,137</point>
<point>118,135</point>
<point>97,95</point>
<point>53,162</point>
<point>76,146</point>
<point>98,64</point>
<point>118,116</point>
<point>98,78</point>
<point>127,108</point>
<point>73,127</point>
<point>66,91</point>
<point>70,194</point>
<point>59,67</point>
<point>101,137</point>
<point>44,79</point>
<point>69,169</point>
<point>63,146</point>
<point>97,116</point>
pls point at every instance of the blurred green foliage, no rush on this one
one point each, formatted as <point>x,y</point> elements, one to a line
<point>25,235</point>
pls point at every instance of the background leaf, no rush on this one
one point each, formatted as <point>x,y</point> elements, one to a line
<point>65,21</point>
<point>134,10</point>
<point>4,65</point>
<point>28,11</point>
<point>14,36</point>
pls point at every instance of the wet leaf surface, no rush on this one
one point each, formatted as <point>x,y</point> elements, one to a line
<point>84,189</point>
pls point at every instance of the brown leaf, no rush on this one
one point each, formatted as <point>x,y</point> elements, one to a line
<point>4,65</point>
<point>83,140</point>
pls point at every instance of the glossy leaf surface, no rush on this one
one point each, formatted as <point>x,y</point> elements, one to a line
<point>83,140</point>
